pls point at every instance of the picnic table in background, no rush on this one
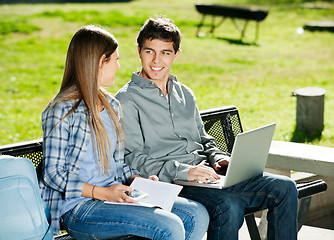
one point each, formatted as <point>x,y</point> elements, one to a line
<point>245,13</point>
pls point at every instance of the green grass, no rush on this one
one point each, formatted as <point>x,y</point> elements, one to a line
<point>257,79</point>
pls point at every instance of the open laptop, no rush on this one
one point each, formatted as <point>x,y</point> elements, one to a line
<point>248,158</point>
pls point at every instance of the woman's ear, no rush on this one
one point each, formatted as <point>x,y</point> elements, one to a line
<point>102,60</point>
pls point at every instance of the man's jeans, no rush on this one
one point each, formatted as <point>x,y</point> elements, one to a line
<point>94,219</point>
<point>227,207</point>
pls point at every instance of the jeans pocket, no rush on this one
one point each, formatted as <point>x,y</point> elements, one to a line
<point>77,214</point>
<point>82,209</point>
<point>77,208</point>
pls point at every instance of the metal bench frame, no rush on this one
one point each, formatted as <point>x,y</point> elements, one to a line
<point>221,123</point>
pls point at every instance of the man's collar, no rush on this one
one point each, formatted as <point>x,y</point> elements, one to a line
<point>141,81</point>
<point>144,82</point>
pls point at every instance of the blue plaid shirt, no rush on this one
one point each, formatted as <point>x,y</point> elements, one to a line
<point>63,151</point>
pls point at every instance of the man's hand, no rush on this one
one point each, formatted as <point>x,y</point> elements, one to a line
<point>154,178</point>
<point>221,166</point>
<point>201,173</point>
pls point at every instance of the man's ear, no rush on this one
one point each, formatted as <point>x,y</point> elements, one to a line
<point>177,54</point>
<point>138,48</point>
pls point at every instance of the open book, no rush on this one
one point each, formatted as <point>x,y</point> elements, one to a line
<point>160,194</point>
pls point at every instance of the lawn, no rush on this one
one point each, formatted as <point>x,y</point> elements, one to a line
<point>257,79</point>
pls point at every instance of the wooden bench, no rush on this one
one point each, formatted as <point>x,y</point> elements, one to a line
<point>221,123</point>
<point>233,12</point>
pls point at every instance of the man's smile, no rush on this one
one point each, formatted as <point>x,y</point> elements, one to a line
<point>156,68</point>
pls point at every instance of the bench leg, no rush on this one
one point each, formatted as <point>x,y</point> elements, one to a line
<point>200,25</point>
<point>242,30</point>
<point>215,25</point>
<point>252,227</point>
<point>257,32</point>
<point>236,24</point>
<point>304,205</point>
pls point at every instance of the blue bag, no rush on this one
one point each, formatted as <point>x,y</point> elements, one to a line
<point>24,215</point>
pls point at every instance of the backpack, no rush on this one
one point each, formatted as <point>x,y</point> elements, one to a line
<point>23,213</point>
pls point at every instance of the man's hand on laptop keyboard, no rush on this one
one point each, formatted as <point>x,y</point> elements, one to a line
<point>201,173</point>
<point>221,166</point>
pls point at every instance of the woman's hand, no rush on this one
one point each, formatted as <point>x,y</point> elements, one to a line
<point>116,193</point>
<point>113,193</point>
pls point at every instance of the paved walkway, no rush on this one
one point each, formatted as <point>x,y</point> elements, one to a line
<point>305,233</point>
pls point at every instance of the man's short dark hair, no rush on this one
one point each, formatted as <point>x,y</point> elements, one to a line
<point>160,28</point>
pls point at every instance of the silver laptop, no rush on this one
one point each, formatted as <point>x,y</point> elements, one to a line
<point>248,158</point>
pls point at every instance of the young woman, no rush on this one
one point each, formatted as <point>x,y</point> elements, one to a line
<point>83,155</point>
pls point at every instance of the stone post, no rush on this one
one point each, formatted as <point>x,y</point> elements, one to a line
<point>310,110</point>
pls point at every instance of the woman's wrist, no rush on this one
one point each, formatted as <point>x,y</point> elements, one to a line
<point>93,188</point>
<point>100,193</point>
<point>93,191</point>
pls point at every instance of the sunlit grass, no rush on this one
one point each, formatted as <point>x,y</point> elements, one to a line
<point>258,79</point>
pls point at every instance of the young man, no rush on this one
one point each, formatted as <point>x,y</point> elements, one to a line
<point>165,136</point>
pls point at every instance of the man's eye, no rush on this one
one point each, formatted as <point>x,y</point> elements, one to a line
<point>165,53</point>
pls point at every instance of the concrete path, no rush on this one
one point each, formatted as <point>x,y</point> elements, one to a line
<point>305,233</point>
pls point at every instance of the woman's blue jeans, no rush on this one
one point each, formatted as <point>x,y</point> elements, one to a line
<point>95,219</point>
<point>227,207</point>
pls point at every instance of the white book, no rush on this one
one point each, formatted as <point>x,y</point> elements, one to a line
<point>159,194</point>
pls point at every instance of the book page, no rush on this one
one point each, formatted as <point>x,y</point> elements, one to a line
<point>160,194</point>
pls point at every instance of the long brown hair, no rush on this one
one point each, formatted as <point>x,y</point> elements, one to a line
<point>80,82</point>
